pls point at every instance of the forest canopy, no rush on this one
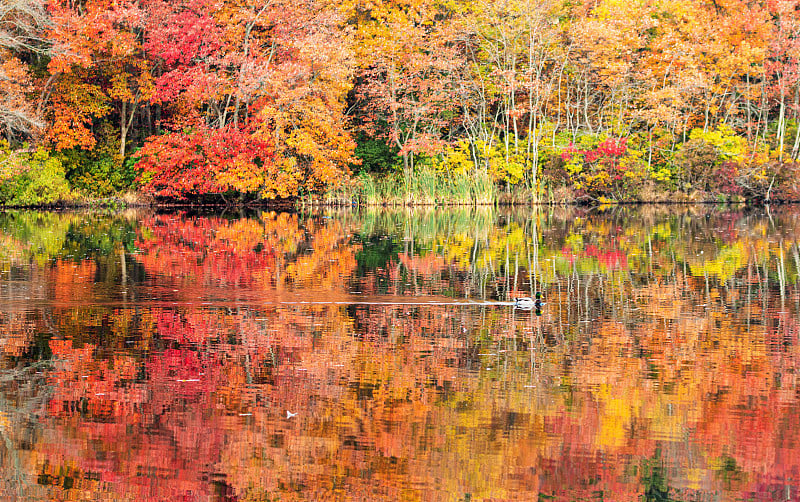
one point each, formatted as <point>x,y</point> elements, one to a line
<point>601,100</point>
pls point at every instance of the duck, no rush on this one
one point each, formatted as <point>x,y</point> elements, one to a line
<point>528,303</point>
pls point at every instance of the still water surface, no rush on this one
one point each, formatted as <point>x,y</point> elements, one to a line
<point>373,355</point>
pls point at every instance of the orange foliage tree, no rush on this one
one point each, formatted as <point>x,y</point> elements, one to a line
<point>273,75</point>
<point>99,67</point>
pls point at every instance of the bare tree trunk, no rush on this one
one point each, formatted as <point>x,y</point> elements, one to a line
<point>796,146</point>
<point>123,134</point>
<point>781,124</point>
<point>126,120</point>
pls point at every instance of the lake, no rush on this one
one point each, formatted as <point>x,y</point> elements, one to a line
<point>375,354</point>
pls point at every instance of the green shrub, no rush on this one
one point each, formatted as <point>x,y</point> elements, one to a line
<point>29,179</point>
<point>375,155</point>
<point>100,171</point>
<point>97,172</point>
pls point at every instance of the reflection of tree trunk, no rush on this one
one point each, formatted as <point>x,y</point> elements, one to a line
<point>530,265</point>
<point>508,267</point>
<point>122,267</point>
<point>535,240</point>
<point>782,274</point>
<point>748,298</point>
<point>516,270</point>
<point>796,255</point>
<point>765,293</point>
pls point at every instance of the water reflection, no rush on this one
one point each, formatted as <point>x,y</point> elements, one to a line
<point>373,355</point>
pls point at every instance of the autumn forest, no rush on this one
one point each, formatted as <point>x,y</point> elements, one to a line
<point>408,101</point>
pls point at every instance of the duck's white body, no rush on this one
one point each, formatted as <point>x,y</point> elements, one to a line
<point>527,302</point>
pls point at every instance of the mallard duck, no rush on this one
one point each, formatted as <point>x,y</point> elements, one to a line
<point>528,303</point>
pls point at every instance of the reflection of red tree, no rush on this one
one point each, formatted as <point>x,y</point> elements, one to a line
<point>156,423</point>
<point>610,259</point>
<point>427,265</point>
<point>71,280</point>
<point>149,437</point>
<point>197,251</point>
<point>274,252</point>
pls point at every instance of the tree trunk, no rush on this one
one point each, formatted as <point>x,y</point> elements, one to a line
<point>123,130</point>
<point>781,124</point>
<point>796,146</point>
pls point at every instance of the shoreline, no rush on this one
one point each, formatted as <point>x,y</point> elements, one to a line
<point>103,204</point>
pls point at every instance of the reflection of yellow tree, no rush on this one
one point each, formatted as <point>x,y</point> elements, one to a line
<point>30,234</point>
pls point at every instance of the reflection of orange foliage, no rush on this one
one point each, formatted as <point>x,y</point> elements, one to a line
<point>212,391</point>
<point>274,253</point>
<point>214,398</point>
<point>16,333</point>
<point>623,382</point>
<point>427,265</point>
<point>329,262</point>
<point>71,280</point>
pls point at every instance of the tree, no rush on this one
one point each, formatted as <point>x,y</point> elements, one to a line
<point>271,75</point>
<point>210,162</point>
<point>22,23</point>
<point>99,66</point>
<point>783,68</point>
<point>407,77</point>
<point>516,65</point>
